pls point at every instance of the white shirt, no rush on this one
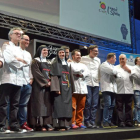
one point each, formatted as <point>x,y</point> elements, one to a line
<point>1,69</point>
<point>13,69</point>
<point>80,83</point>
<point>27,74</point>
<point>124,83</point>
<point>93,67</point>
<point>135,73</point>
<point>107,77</point>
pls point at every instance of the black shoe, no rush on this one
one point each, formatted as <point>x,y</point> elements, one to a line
<point>93,125</point>
<point>4,130</point>
<point>135,123</point>
<point>17,130</point>
<point>122,124</point>
<point>67,128</point>
<point>49,127</point>
<point>88,125</point>
<point>129,124</point>
<point>112,125</point>
<point>106,125</point>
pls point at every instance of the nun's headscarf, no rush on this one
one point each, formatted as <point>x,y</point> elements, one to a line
<point>39,50</point>
<point>56,67</point>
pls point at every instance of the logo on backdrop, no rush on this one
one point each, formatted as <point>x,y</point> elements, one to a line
<point>131,59</point>
<point>102,5</point>
<point>52,50</point>
<point>124,31</point>
<point>108,10</point>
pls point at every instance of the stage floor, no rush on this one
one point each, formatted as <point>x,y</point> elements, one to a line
<point>79,134</point>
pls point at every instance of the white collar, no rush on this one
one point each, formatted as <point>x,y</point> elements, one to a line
<point>63,62</point>
<point>43,59</point>
<point>11,43</point>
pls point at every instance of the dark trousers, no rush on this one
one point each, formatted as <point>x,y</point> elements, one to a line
<point>0,90</point>
<point>124,107</point>
<point>10,93</point>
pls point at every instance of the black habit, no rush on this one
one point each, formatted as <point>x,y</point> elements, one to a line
<point>61,80</point>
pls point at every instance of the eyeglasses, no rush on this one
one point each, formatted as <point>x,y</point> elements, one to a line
<point>95,51</point>
<point>17,34</point>
<point>26,39</point>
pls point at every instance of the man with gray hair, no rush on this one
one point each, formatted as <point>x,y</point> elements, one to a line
<point>12,80</point>
<point>125,93</point>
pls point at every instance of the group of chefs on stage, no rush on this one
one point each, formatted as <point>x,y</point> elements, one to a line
<point>38,94</point>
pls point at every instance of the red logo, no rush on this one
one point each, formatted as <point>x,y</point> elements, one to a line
<point>102,5</point>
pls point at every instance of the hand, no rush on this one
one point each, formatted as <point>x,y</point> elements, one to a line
<point>126,69</point>
<point>7,43</point>
<point>1,64</point>
<point>21,60</point>
<point>69,60</point>
<point>58,92</point>
<point>31,81</point>
<point>48,85</point>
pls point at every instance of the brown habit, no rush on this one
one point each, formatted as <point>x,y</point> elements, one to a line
<point>40,102</point>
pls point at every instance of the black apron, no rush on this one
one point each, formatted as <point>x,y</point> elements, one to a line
<point>45,69</point>
<point>63,101</point>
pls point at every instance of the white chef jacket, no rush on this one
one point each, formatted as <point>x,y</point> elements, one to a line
<point>80,83</point>
<point>107,77</point>
<point>135,73</point>
<point>1,69</point>
<point>124,84</point>
<point>93,67</point>
<point>27,74</point>
<point>13,69</point>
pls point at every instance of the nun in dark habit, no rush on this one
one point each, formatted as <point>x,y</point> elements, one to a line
<point>40,103</point>
<point>62,88</point>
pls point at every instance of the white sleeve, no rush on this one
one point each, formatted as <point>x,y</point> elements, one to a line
<point>105,67</point>
<point>1,57</point>
<point>30,71</point>
<point>28,58</point>
<point>86,72</point>
<point>9,57</point>
<point>76,69</point>
<point>135,73</point>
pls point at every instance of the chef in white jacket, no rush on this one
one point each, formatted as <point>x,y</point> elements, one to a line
<point>92,62</point>
<point>80,72</point>
<point>136,86</point>
<point>27,82</point>
<point>125,93</point>
<point>12,80</point>
<point>108,88</point>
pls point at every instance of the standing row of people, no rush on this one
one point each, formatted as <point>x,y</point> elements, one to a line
<point>18,74</point>
<point>63,91</point>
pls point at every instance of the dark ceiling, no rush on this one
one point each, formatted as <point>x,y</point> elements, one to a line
<point>137,9</point>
